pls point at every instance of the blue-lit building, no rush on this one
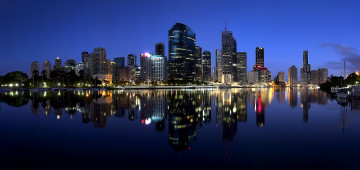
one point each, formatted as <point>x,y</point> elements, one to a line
<point>181,53</point>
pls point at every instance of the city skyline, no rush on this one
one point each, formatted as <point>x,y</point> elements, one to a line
<point>45,41</point>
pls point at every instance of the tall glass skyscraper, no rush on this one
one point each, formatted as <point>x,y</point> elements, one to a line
<point>228,57</point>
<point>260,56</point>
<point>181,53</point>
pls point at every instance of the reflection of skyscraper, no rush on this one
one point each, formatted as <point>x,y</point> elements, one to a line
<point>182,125</point>
<point>260,110</point>
<point>292,97</point>
<point>100,109</point>
<point>207,107</point>
<point>305,103</point>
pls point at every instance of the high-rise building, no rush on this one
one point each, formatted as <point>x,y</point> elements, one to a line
<point>260,57</point>
<point>206,66</point>
<point>241,67</point>
<point>160,49</point>
<point>34,69</point>
<point>305,69</point>
<point>198,64</point>
<point>47,68</point>
<point>314,77</point>
<point>153,68</point>
<point>84,56</point>
<point>228,57</point>
<point>281,77</point>
<point>57,64</point>
<point>253,77</point>
<point>97,66</point>
<point>131,60</point>
<point>264,75</point>
<point>181,53</point>
<point>218,65</point>
<point>119,61</point>
<point>323,75</point>
<point>292,76</point>
<point>70,65</point>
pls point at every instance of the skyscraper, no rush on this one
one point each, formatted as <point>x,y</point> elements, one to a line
<point>160,49</point>
<point>47,68</point>
<point>70,65</point>
<point>241,67</point>
<point>323,75</point>
<point>260,60</point>
<point>131,60</point>
<point>228,57</point>
<point>218,65</point>
<point>181,53</point>
<point>206,66</point>
<point>305,69</point>
<point>198,64</point>
<point>57,63</point>
<point>119,61</point>
<point>292,76</point>
<point>34,69</point>
<point>264,75</point>
<point>97,66</point>
<point>281,76</point>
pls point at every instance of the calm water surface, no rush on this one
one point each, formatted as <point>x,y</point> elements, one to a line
<point>179,129</point>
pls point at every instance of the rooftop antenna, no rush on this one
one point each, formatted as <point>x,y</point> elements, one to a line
<point>225,26</point>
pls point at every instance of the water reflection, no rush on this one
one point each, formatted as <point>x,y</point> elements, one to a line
<point>183,112</point>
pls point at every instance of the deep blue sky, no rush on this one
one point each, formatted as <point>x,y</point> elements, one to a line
<point>40,30</point>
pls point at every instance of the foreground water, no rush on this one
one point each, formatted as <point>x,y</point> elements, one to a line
<point>179,129</point>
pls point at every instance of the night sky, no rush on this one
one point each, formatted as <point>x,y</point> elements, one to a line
<point>43,30</point>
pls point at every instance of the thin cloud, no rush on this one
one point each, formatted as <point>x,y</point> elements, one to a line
<point>348,54</point>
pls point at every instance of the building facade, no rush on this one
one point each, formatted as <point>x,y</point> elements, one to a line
<point>281,77</point>
<point>242,67</point>
<point>57,64</point>
<point>323,75</point>
<point>198,64</point>
<point>218,65</point>
<point>181,53</point>
<point>260,56</point>
<point>47,68</point>
<point>153,68</point>
<point>206,66</point>
<point>119,61</point>
<point>34,69</point>
<point>70,65</point>
<point>131,60</point>
<point>292,76</point>
<point>305,69</point>
<point>228,57</point>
